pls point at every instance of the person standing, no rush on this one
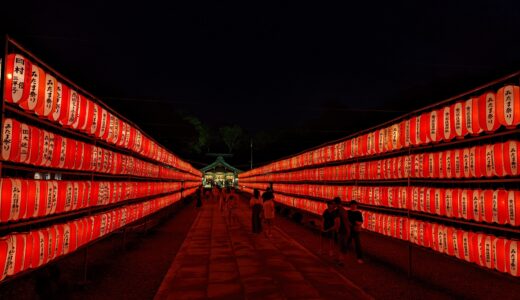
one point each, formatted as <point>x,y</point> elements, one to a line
<point>343,230</point>
<point>231,203</point>
<point>355,219</point>
<point>198,197</point>
<point>256,210</point>
<point>329,227</point>
<point>268,211</point>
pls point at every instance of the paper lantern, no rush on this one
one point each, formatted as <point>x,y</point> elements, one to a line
<point>499,207</point>
<point>36,91</point>
<point>11,139</point>
<point>488,112</point>
<point>17,81</point>
<point>51,197</point>
<point>40,248</point>
<point>513,207</point>
<point>414,130</point>
<point>511,251</point>
<point>404,128</point>
<point>510,152</point>
<point>499,254</point>
<point>487,160</point>
<point>458,163</point>
<point>487,251</point>
<point>475,161</point>
<point>423,127</point>
<point>448,122</point>
<point>472,116</point>
<point>25,139</point>
<point>49,104</point>
<point>459,119</point>
<point>465,204</point>
<point>12,204</point>
<point>73,112</point>
<point>63,99</point>
<point>449,164</point>
<point>81,114</point>
<point>441,164</point>
<point>57,151</point>
<point>48,148</point>
<point>451,246</point>
<point>508,106</point>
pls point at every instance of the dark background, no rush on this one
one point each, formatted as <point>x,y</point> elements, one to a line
<point>291,76</point>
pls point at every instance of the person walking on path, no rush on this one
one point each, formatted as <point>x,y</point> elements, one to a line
<point>198,195</point>
<point>256,210</point>
<point>329,227</point>
<point>268,211</point>
<point>231,205</point>
<point>355,219</point>
<point>344,230</point>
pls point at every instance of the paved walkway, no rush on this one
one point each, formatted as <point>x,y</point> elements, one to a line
<point>222,261</point>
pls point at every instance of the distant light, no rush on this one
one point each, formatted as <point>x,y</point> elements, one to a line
<point>9,76</point>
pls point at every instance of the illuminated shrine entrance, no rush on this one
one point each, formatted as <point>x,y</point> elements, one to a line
<point>220,173</point>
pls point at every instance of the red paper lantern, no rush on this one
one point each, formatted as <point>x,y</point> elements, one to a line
<point>64,104</point>
<point>448,123</point>
<point>423,128</point>
<point>511,251</point>
<point>51,91</point>
<point>508,106</point>
<point>449,164</point>
<point>459,119</point>
<point>40,248</point>
<point>458,163</point>
<point>25,144</point>
<point>435,128</point>
<point>463,245</point>
<point>81,114</point>
<point>499,207</point>
<point>511,155</point>
<point>486,247</point>
<point>472,116</point>
<point>17,81</point>
<point>11,139</point>
<point>487,160</point>
<point>475,160</point>
<point>488,112</point>
<point>57,109</point>
<point>12,205</point>
<point>499,254</point>
<point>404,128</point>
<point>73,112</point>
<point>513,207</point>
<point>36,91</point>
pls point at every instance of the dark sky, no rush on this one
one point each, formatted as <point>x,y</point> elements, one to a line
<point>270,68</point>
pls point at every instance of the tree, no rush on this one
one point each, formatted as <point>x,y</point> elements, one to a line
<point>202,140</point>
<point>231,136</point>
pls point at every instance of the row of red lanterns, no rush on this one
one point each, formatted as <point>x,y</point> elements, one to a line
<point>486,113</point>
<point>30,145</point>
<point>482,249</point>
<point>22,199</point>
<point>24,251</point>
<point>492,160</point>
<point>38,92</point>
<point>482,205</point>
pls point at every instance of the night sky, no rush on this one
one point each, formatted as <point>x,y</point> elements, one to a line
<point>291,75</point>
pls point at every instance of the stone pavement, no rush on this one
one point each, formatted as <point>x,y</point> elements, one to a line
<point>226,261</point>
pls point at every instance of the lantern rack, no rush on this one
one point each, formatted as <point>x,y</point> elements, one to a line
<point>502,229</point>
<point>181,171</point>
<point>36,223</point>
<point>86,246</point>
<point>511,78</point>
<point>514,133</point>
<point>13,109</point>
